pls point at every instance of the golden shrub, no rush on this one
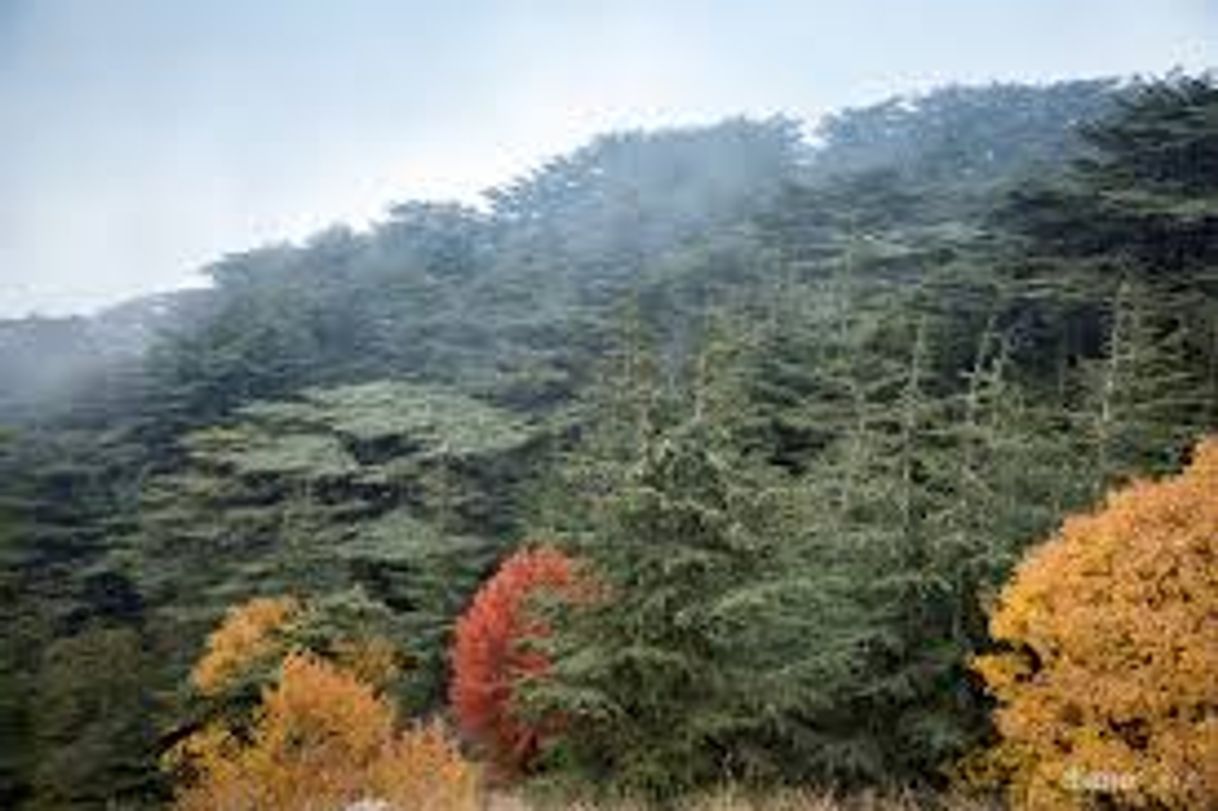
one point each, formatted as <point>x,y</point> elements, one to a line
<point>372,660</point>
<point>321,739</point>
<point>247,635</point>
<point>1110,683</point>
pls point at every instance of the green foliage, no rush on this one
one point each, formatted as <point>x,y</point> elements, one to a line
<point>640,675</point>
<point>434,421</point>
<point>91,718</point>
<point>887,371</point>
<point>61,494</point>
<point>967,136</point>
<point>333,490</point>
<point>844,398</point>
<point>15,669</point>
<point>1144,191</point>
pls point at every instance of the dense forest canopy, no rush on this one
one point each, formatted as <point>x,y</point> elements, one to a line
<point>800,401</point>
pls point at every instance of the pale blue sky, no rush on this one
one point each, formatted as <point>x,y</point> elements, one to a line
<point>142,138</point>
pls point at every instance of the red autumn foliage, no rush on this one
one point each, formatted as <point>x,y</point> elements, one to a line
<point>490,655</point>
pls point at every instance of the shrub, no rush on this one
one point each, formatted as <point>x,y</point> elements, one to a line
<point>491,654</point>
<point>247,635</point>
<point>321,739</point>
<point>1111,627</point>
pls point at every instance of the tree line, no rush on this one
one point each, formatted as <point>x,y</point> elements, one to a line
<point>799,411</point>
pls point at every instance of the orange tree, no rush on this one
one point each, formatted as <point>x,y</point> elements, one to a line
<point>243,653</point>
<point>321,739</point>
<point>1108,685</point>
<point>322,733</point>
<point>491,654</point>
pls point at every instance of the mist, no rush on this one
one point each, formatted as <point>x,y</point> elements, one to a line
<point>145,140</point>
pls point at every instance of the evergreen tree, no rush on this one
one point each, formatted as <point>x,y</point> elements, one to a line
<point>643,674</point>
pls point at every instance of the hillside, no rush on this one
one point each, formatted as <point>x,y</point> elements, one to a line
<point>802,400</point>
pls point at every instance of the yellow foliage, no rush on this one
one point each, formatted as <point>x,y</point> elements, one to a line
<point>372,660</point>
<point>246,637</point>
<point>322,739</point>
<point>1110,686</point>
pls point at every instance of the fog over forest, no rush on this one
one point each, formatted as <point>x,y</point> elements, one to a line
<point>146,139</point>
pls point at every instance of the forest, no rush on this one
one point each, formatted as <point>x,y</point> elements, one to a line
<point>861,461</point>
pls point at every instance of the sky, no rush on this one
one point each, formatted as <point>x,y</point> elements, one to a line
<point>142,139</point>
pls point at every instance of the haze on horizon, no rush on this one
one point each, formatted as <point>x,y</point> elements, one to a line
<point>144,139</point>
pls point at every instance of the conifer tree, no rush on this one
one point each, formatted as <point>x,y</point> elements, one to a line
<point>1145,399</point>
<point>642,675</point>
<point>646,677</point>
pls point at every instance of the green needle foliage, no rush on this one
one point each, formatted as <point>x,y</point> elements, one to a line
<point>799,407</point>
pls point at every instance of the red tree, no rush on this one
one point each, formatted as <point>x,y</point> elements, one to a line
<point>489,655</point>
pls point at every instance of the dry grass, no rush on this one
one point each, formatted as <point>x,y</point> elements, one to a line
<point>730,800</point>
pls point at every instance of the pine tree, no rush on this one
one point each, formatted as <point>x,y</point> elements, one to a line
<point>641,676</point>
<point>645,676</point>
<point>1146,400</point>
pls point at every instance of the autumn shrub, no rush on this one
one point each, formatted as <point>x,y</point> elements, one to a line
<point>491,654</point>
<point>372,660</point>
<point>321,739</point>
<point>242,654</point>
<point>299,719</point>
<point>249,634</point>
<point>1107,683</point>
